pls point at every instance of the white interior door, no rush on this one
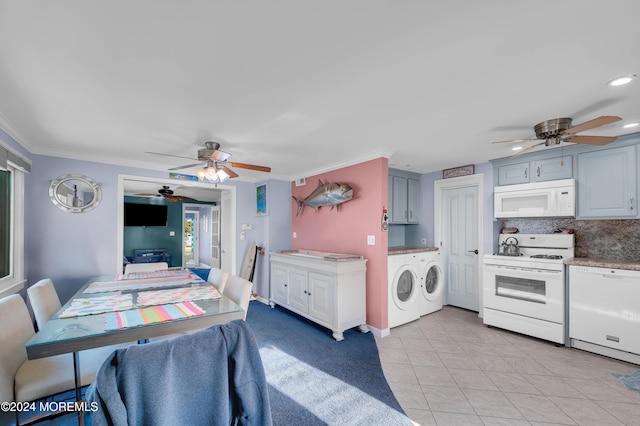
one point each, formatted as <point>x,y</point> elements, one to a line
<point>227,232</point>
<point>215,237</point>
<point>458,229</point>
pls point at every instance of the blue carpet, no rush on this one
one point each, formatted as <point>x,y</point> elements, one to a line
<point>314,380</point>
<point>631,381</point>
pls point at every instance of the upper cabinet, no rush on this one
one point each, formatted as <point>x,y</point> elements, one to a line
<point>607,183</point>
<point>404,200</point>
<point>536,171</point>
<point>607,177</point>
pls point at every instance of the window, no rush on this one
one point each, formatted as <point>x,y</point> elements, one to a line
<point>11,222</point>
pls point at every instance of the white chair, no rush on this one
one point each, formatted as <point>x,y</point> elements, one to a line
<point>45,303</point>
<point>22,379</point>
<point>145,267</point>
<point>218,278</point>
<point>239,290</point>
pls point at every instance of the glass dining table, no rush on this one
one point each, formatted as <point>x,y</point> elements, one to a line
<point>112,309</point>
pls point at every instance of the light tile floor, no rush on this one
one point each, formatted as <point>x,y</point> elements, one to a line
<point>447,368</point>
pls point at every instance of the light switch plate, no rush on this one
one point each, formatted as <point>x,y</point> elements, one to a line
<point>371,240</point>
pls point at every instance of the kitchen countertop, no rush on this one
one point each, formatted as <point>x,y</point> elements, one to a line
<point>631,265</point>
<point>410,249</point>
<point>322,255</point>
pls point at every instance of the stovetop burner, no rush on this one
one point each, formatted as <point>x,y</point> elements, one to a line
<point>547,256</point>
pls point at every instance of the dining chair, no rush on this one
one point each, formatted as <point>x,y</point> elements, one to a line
<point>145,267</point>
<point>213,376</point>
<point>218,278</point>
<point>45,303</point>
<point>23,379</point>
<point>239,290</point>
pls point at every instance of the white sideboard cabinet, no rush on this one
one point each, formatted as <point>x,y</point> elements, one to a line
<point>327,288</point>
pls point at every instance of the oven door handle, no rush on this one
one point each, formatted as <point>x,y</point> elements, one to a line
<point>538,272</point>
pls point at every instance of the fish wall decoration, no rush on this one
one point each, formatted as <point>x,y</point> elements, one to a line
<point>326,194</point>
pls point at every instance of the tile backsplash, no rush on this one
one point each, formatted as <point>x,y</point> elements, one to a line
<point>608,239</point>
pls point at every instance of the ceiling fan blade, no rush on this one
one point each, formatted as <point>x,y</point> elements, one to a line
<point>147,195</point>
<point>169,155</point>
<point>591,140</point>
<point>230,172</point>
<point>220,155</point>
<point>250,167</point>
<point>529,149</point>
<point>175,198</point>
<point>518,140</point>
<point>185,167</point>
<point>592,124</point>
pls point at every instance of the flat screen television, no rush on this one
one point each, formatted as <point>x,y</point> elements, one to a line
<point>145,214</point>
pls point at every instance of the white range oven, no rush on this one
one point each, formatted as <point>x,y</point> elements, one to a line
<point>524,289</point>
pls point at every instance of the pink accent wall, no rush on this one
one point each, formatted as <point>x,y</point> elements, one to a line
<point>346,231</point>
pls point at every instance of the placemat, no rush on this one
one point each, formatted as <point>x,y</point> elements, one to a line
<point>150,315</point>
<point>161,297</point>
<point>97,305</point>
<point>141,283</point>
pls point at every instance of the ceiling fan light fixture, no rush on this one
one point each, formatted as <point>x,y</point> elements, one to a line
<point>630,125</point>
<point>516,148</point>
<point>622,80</point>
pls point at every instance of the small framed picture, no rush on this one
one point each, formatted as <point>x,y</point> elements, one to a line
<point>262,205</point>
<point>458,171</point>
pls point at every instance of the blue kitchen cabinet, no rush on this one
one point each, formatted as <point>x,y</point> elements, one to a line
<point>513,174</point>
<point>404,200</point>
<point>552,169</point>
<point>536,171</point>
<point>606,182</point>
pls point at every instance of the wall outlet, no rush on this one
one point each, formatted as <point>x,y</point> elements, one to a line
<point>371,240</point>
<point>423,241</point>
<point>295,235</point>
<point>242,235</point>
<point>172,233</point>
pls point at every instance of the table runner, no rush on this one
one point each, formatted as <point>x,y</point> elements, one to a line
<point>152,274</point>
<point>150,315</point>
<point>142,283</point>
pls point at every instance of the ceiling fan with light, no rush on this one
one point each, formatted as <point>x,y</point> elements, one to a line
<point>215,164</point>
<point>558,130</point>
<point>167,194</point>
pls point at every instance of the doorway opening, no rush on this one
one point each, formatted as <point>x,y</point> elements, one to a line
<point>225,198</point>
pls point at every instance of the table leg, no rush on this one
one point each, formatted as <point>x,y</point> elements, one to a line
<point>76,373</point>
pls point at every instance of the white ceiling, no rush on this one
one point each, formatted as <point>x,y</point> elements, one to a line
<point>305,86</point>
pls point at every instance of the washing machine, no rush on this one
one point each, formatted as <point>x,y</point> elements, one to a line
<point>431,282</point>
<point>404,289</point>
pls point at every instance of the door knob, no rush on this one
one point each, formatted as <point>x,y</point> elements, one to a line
<point>474,251</point>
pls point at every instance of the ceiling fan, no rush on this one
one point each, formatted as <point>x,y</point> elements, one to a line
<point>214,163</point>
<point>167,194</point>
<point>558,130</point>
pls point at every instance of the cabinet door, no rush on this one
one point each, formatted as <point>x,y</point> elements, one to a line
<point>413,200</point>
<point>390,199</point>
<point>321,297</point>
<point>552,169</point>
<point>280,284</point>
<point>399,205</point>
<point>298,290</point>
<point>513,174</point>
<point>607,183</point>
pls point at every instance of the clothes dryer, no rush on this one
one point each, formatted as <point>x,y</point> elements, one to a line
<point>431,282</point>
<point>404,289</point>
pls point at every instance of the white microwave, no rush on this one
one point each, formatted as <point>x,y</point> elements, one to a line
<point>555,198</point>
